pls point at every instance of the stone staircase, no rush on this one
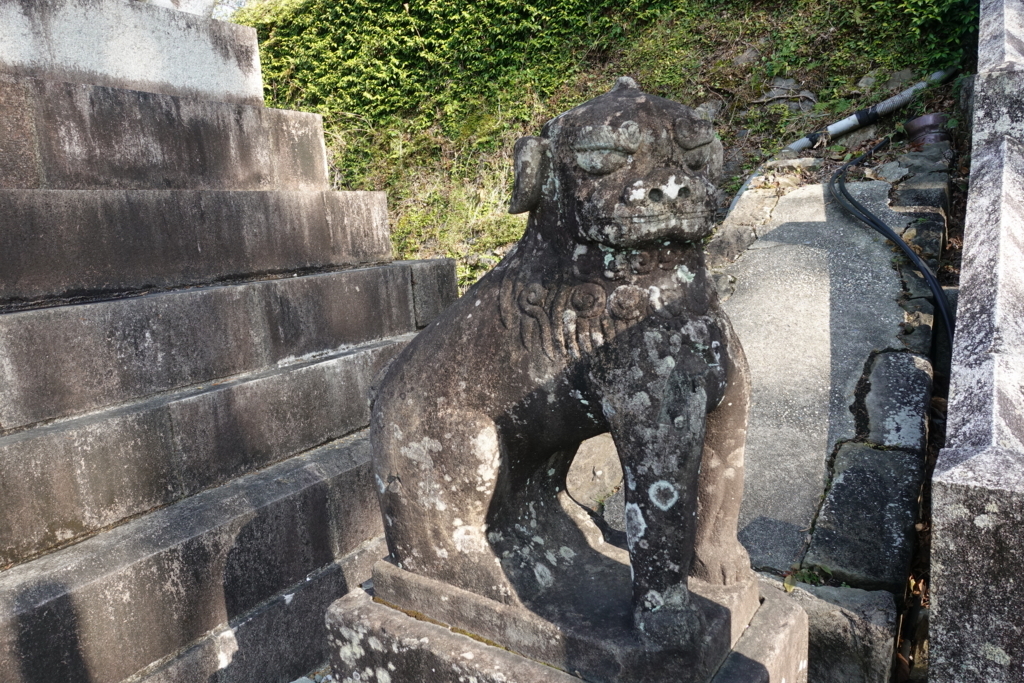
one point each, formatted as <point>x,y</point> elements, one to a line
<point>189,323</point>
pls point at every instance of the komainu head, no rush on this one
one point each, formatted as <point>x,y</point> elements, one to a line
<point>625,169</point>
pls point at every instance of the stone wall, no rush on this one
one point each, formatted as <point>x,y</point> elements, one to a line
<point>190,321</point>
<point>978,488</point>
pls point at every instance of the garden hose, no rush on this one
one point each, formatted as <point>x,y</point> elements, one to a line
<point>837,187</point>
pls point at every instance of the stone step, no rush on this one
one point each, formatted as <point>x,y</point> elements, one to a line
<point>113,605</point>
<point>77,477</point>
<point>200,7</point>
<point>70,360</point>
<point>130,45</point>
<point>68,243</point>
<point>279,641</point>
<point>69,136</point>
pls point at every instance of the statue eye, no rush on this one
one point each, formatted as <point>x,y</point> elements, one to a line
<point>698,158</point>
<point>601,161</point>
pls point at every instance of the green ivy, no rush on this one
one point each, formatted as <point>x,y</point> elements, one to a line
<point>435,60</point>
<point>425,98</point>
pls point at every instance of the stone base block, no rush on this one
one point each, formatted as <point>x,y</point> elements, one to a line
<point>590,635</point>
<point>80,476</point>
<point>978,522</point>
<point>61,244</point>
<point>865,531</point>
<point>851,632</point>
<point>772,649</point>
<point>69,360</point>
<point>370,641</point>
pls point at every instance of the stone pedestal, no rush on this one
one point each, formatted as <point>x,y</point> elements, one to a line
<point>416,629</point>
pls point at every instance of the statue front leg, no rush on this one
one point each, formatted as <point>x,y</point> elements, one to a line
<point>656,410</point>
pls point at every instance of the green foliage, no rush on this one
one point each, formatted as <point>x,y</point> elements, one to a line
<point>943,29</point>
<point>425,98</point>
<point>451,61</point>
<point>818,575</point>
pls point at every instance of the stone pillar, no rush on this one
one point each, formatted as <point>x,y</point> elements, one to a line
<point>978,489</point>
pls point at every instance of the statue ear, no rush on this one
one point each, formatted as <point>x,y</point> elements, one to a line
<point>692,131</point>
<point>531,169</point>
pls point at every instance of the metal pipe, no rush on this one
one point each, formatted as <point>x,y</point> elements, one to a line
<point>870,115</point>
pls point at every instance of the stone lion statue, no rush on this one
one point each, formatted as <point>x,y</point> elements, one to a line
<point>602,318</point>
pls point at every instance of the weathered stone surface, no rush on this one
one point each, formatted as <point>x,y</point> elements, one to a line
<point>615,511</point>
<point>799,306</point>
<point>913,282</point>
<point>864,533</point>
<point>17,137</point>
<point>408,649</point>
<point>933,157</point>
<point>928,235</point>
<point>752,210</point>
<point>69,360</point>
<point>279,640</point>
<point>72,137</point>
<point>987,384</point>
<point>111,605</point>
<point>601,319</point>
<point>851,632</point>
<point>922,193</point>
<point>593,639</point>
<point>978,499</point>
<point>237,427</point>
<point>143,48</point>
<point>856,138</point>
<point>918,322</point>
<point>65,243</point>
<point>80,476</point>
<point>203,8</point>
<point>1001,37</point>
<point>773,648</point>
<point>977,524</point>
<point>897,403</point>
<point>434,288</point>
<point>998,109</point>
<point>595,473</point>
<point>890,172</point>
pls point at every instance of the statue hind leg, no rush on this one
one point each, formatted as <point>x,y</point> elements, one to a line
<point>435,500</point>
<point>719,558</point>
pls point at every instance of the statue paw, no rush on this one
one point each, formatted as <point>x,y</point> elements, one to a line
<point>724,564</point>
<point>670,619</point>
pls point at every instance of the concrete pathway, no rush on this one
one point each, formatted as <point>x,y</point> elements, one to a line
<point>811,299</point>
<point>837,330</point>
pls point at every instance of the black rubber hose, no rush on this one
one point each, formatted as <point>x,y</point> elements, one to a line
<point>837,187</point>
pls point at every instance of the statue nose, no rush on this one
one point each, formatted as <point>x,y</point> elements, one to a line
<point>666,191</point>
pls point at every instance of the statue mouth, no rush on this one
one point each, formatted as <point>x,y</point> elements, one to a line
<point>658,217</point>
<point>639,228</point>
